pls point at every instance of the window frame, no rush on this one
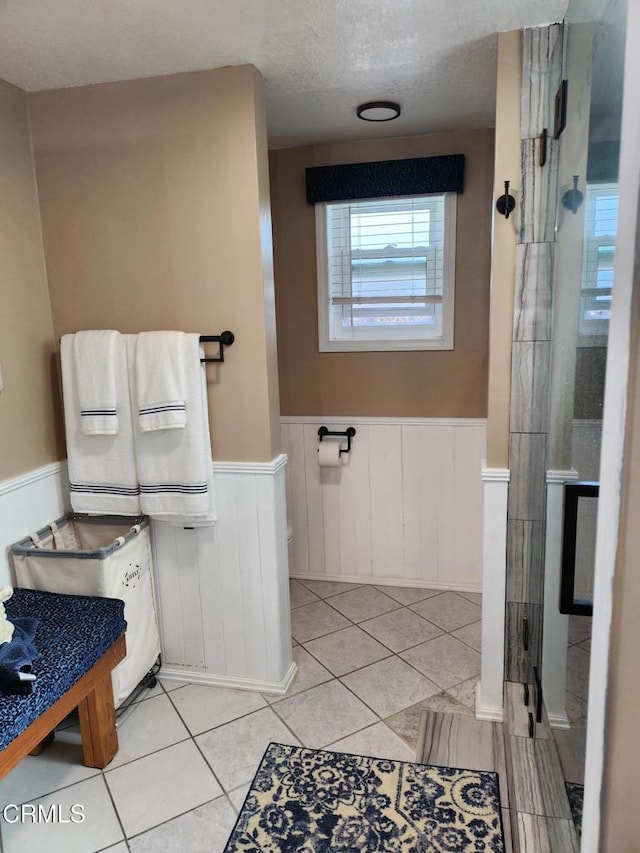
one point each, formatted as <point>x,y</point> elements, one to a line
<point>594,332</point>
<point>385,342</point>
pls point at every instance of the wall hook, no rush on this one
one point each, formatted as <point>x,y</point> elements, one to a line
<point>506,204</point>
<point>573,198</point>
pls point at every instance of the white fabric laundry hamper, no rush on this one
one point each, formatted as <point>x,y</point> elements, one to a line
<point>106,556</point>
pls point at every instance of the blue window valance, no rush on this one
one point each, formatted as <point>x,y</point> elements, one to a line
<point>384,178</point>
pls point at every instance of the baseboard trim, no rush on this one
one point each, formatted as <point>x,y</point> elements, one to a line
<point>559,721</point>
<point>175,672</point>
<point>410,583</point>
<point>50,470</point>
<point>488,712</point>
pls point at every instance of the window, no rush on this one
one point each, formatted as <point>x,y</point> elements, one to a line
<point>600,227</point>
<point>386,272</point>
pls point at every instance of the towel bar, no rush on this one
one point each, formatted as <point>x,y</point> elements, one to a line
<point>225,340</point>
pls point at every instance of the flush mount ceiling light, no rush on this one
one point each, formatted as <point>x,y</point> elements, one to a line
<point>378,111</point>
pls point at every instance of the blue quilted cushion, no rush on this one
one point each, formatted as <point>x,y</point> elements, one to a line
<point>74,632</point>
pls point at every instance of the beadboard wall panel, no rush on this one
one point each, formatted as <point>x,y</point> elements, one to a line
<point>223,593</point>
<point>27,503</point>
<point>405,508</point>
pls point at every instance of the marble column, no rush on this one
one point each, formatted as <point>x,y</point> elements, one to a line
<point>531,352</point>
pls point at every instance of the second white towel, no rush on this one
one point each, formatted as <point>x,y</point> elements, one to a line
<point>174,465</point>
<point>160,376</point>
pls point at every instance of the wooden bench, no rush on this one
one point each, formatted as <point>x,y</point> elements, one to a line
<point>80,640</point>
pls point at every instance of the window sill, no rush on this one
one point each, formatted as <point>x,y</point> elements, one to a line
<point>386,346</point>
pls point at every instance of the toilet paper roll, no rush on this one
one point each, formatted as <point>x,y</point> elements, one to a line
<point>329,454</point>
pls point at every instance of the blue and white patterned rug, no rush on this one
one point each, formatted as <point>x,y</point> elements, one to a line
<point>313,801</point>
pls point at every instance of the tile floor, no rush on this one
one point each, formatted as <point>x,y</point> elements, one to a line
<point>578,659</point>
<point>369,661</point>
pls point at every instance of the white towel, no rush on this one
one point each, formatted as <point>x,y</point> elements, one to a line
<point>174,466</point>
<point>94,354</point>
<point>102,468</point>
<point>159,367</point>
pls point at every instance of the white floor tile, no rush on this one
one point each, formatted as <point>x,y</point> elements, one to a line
<point>324,714</point>
<point>471,635</point>
<point>406,723</point>
<point>161,786</point>
<point>327,588</point>
<point>299,594</point>
<point>408,595</point>
<point>445,660</point>
<point>476,597</point>
<point>234,750</point>
<point>202,830</point>
<point>118,848</point>
<point>579,628</point>
<point>309,674</point>
<point>363,603</point>
<point>576,710</point>
<point>376,741</point>
<point>448,611</point>
<point>169,684</point>
<point>465,693</point>
<point>238,796</point>
<point>148,727</point>
<point>149,693</point>
<point>315,620</point>
<point>99,829</point>
<point>389,686</point>
<point>401,629</point>
<point>347,650</point>
<point>578,661</point>
<point>59,765</point>
<point>204,708</point>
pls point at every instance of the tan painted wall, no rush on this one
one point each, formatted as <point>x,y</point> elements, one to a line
<point>28,433</point>
<point>503,254</point>
<point>393,384</point>
<point>155,212</point>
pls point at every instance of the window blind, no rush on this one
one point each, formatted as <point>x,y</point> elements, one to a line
<point>385,261</point>
<point>600,227</point>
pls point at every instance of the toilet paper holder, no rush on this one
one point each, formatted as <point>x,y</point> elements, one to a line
<point>348,434</point>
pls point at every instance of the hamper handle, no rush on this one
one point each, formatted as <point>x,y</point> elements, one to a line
<point>37,541</point>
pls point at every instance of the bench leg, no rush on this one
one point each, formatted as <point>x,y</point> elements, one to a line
<point>98,724</point>
<point>44,743</point>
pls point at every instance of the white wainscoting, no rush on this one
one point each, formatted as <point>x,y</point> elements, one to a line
<point>556,625</point>
<point>405,508</point>
<point>489,692</point>
<point>223,591</point>
<point>27,503</point>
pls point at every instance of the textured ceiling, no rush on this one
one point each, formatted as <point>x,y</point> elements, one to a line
<point>320,58</point>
